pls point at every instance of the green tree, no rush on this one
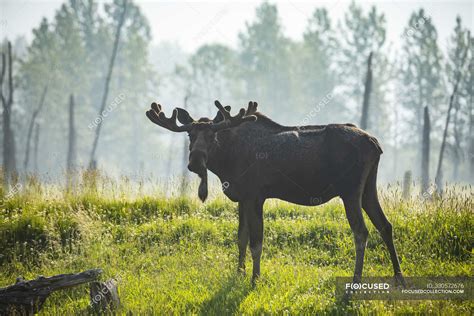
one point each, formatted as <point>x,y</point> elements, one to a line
<point>421,74</point>
<point>265,60</point>
<point>213,72</point>
<point>71,54</point>
<point>41,68</point>
<point>316,69</point>
<point>361,35</point>
<point>129,86</point>
<point>459,130</point>
<point>470,94</point>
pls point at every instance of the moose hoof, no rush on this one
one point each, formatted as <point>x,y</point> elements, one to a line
<point>254,280</point>
<point>400,280</point>
<point>241,271</point>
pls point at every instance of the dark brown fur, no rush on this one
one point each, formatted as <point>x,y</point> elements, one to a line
<point>306,165</point>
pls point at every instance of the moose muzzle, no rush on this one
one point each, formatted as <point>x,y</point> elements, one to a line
<point>197,164</point>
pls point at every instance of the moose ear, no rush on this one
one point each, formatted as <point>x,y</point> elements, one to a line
<point>219,117</point>
<point>184,117</point>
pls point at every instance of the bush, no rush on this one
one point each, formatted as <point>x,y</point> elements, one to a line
<point>69,232</point>
<point>22,237</point>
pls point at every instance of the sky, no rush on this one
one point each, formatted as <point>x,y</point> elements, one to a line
<point>193,23</point>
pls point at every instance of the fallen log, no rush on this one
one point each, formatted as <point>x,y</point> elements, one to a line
<point>27,297</point>
<point>104,296</point>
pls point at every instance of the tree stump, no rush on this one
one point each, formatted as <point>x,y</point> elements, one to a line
<point>104,296</point>
<point>406,185</point>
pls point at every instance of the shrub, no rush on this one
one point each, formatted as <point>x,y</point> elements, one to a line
<point>69,232</point>
<point>22,237</point>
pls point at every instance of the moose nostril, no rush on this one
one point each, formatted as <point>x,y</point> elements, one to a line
<point>197,161</point>
<point>195,166</point>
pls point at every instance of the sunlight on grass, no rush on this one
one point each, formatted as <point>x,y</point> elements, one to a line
<point>175,255</point>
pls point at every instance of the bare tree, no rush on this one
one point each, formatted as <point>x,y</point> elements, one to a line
<point>395,134</point>
<point>35,146</point>
<point>9,160</point>
<point>471,118</point>
<point>32,124</point>
<point>185,175</point>
<point>471,138</point>
<point>425,152</point>
<point>456,148</point>
<point>169,165</point>
<point>438,178</point>
<point>71,151</point>
<point>92,162</point>
<point>406,185</point>
<point>368,88</point>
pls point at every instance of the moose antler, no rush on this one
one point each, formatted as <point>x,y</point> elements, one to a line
<point>251,109</point>
<point>157,116</point>
<point>232,121</point>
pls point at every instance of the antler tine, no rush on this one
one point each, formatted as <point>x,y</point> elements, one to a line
<point>252,108</point>
<point>224,112</point>
<point>229,120</point>
<point>157,116</point>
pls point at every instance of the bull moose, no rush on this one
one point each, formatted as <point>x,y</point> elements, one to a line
<point>258,159</point>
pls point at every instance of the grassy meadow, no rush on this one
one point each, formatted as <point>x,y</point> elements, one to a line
<point>174,255</point>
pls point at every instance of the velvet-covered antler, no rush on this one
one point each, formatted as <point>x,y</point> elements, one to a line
<point>232,121</point>
<point>157,116</point>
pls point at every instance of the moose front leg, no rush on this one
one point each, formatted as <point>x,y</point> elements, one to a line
<point>254,215</point>
<point>356,221</point>
<point>243,235</point>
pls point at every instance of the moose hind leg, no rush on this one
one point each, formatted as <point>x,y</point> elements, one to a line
<point>371,205</point>
<point>254,216</point>
<point>356,222</point>
<point>243,235</point>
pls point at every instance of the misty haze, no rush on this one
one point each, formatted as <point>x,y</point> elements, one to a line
<point>357,95</point>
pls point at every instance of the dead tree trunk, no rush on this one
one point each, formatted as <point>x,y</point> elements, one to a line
<point>92,162</point>
<point>30,127</point>
<point>419,120</point>
<point>35,146</point>
<point>407,185</point>
<point>71,151</point>
<point>27,297</point>
<point>425,153</point>
<point>9,159</point>
<point>169,165</point>
<point>457,148</point>
<point>438,178</point>
<point>184,176</point>
<point>471,140</point>
<point>395,143</point>
<point>364,121</point>
<point>471,123</point>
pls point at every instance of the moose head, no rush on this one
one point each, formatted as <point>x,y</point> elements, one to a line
<point>202,133</point>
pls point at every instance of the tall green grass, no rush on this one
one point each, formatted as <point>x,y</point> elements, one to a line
<point>174,255</point>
